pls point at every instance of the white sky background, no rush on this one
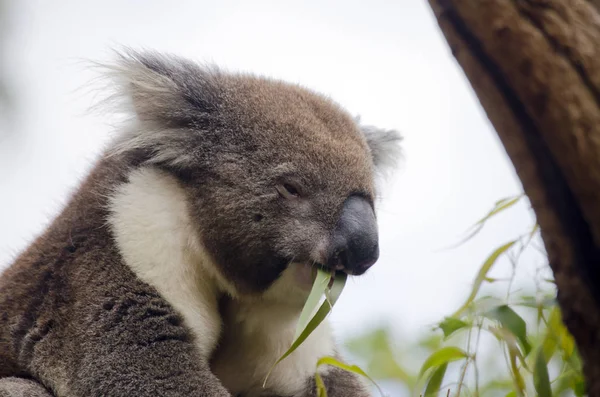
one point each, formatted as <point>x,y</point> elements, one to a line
<point>384,60</point>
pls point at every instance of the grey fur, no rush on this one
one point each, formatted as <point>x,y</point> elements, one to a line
<point>75,318</point>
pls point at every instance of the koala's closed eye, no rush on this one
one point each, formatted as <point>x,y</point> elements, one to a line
<point>288,190</point>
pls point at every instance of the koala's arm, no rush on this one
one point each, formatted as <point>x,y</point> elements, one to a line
<point>140,348</point>
<point>20,387</point>
<point>83,330</point>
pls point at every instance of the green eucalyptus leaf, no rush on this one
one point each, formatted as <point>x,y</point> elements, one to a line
<point>483,271</point>
<point>506,336</point>
<point>444,355</point>
<point>435,381</point>
<point>321,389</point>
<point>558,331</point>
<point>450,325</point>
<point>500,206</point>
<point>513,354</point>
<point>513,322</point>
<point>334,293</point>
<point>316,293</point>
<point>334,362</point>
<point>541,379</point>
<point>534,303</point>
<point>579,387</point>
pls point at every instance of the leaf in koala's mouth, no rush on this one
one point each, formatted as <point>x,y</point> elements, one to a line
<point>322,281</point>
<point>326,284</point>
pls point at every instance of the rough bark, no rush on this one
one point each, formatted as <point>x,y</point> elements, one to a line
<point>535,66</point>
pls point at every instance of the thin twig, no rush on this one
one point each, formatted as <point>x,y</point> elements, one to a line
<point>466,364</point>
<point>480,325</point>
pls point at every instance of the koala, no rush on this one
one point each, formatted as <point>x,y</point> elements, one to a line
<point>181,264</point>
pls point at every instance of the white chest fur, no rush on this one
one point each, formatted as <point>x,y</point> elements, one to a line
<point>154,233</point>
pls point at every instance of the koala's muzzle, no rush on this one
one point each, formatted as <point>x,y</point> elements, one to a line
<point>355,246</point>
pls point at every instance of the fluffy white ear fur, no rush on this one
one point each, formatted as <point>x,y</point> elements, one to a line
<point>161,88</point>
<point>385,148</point>
<point>167,102</point>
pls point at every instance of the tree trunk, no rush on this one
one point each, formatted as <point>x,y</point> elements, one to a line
<point>535,66</point>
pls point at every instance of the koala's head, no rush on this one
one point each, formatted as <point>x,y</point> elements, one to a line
<point>274,173</point>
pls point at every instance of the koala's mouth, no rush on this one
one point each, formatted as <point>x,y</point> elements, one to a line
<point>307,272</point>
<point>339,268</point>
<point>352,265</point>
<point>330,269</point>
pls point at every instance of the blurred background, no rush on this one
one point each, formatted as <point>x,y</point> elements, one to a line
<point>385,61</point>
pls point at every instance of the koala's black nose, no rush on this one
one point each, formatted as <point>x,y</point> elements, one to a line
<point>355,241</point>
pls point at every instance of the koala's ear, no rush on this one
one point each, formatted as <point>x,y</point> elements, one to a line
<point>385,148</point>
<point>165,90</point>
